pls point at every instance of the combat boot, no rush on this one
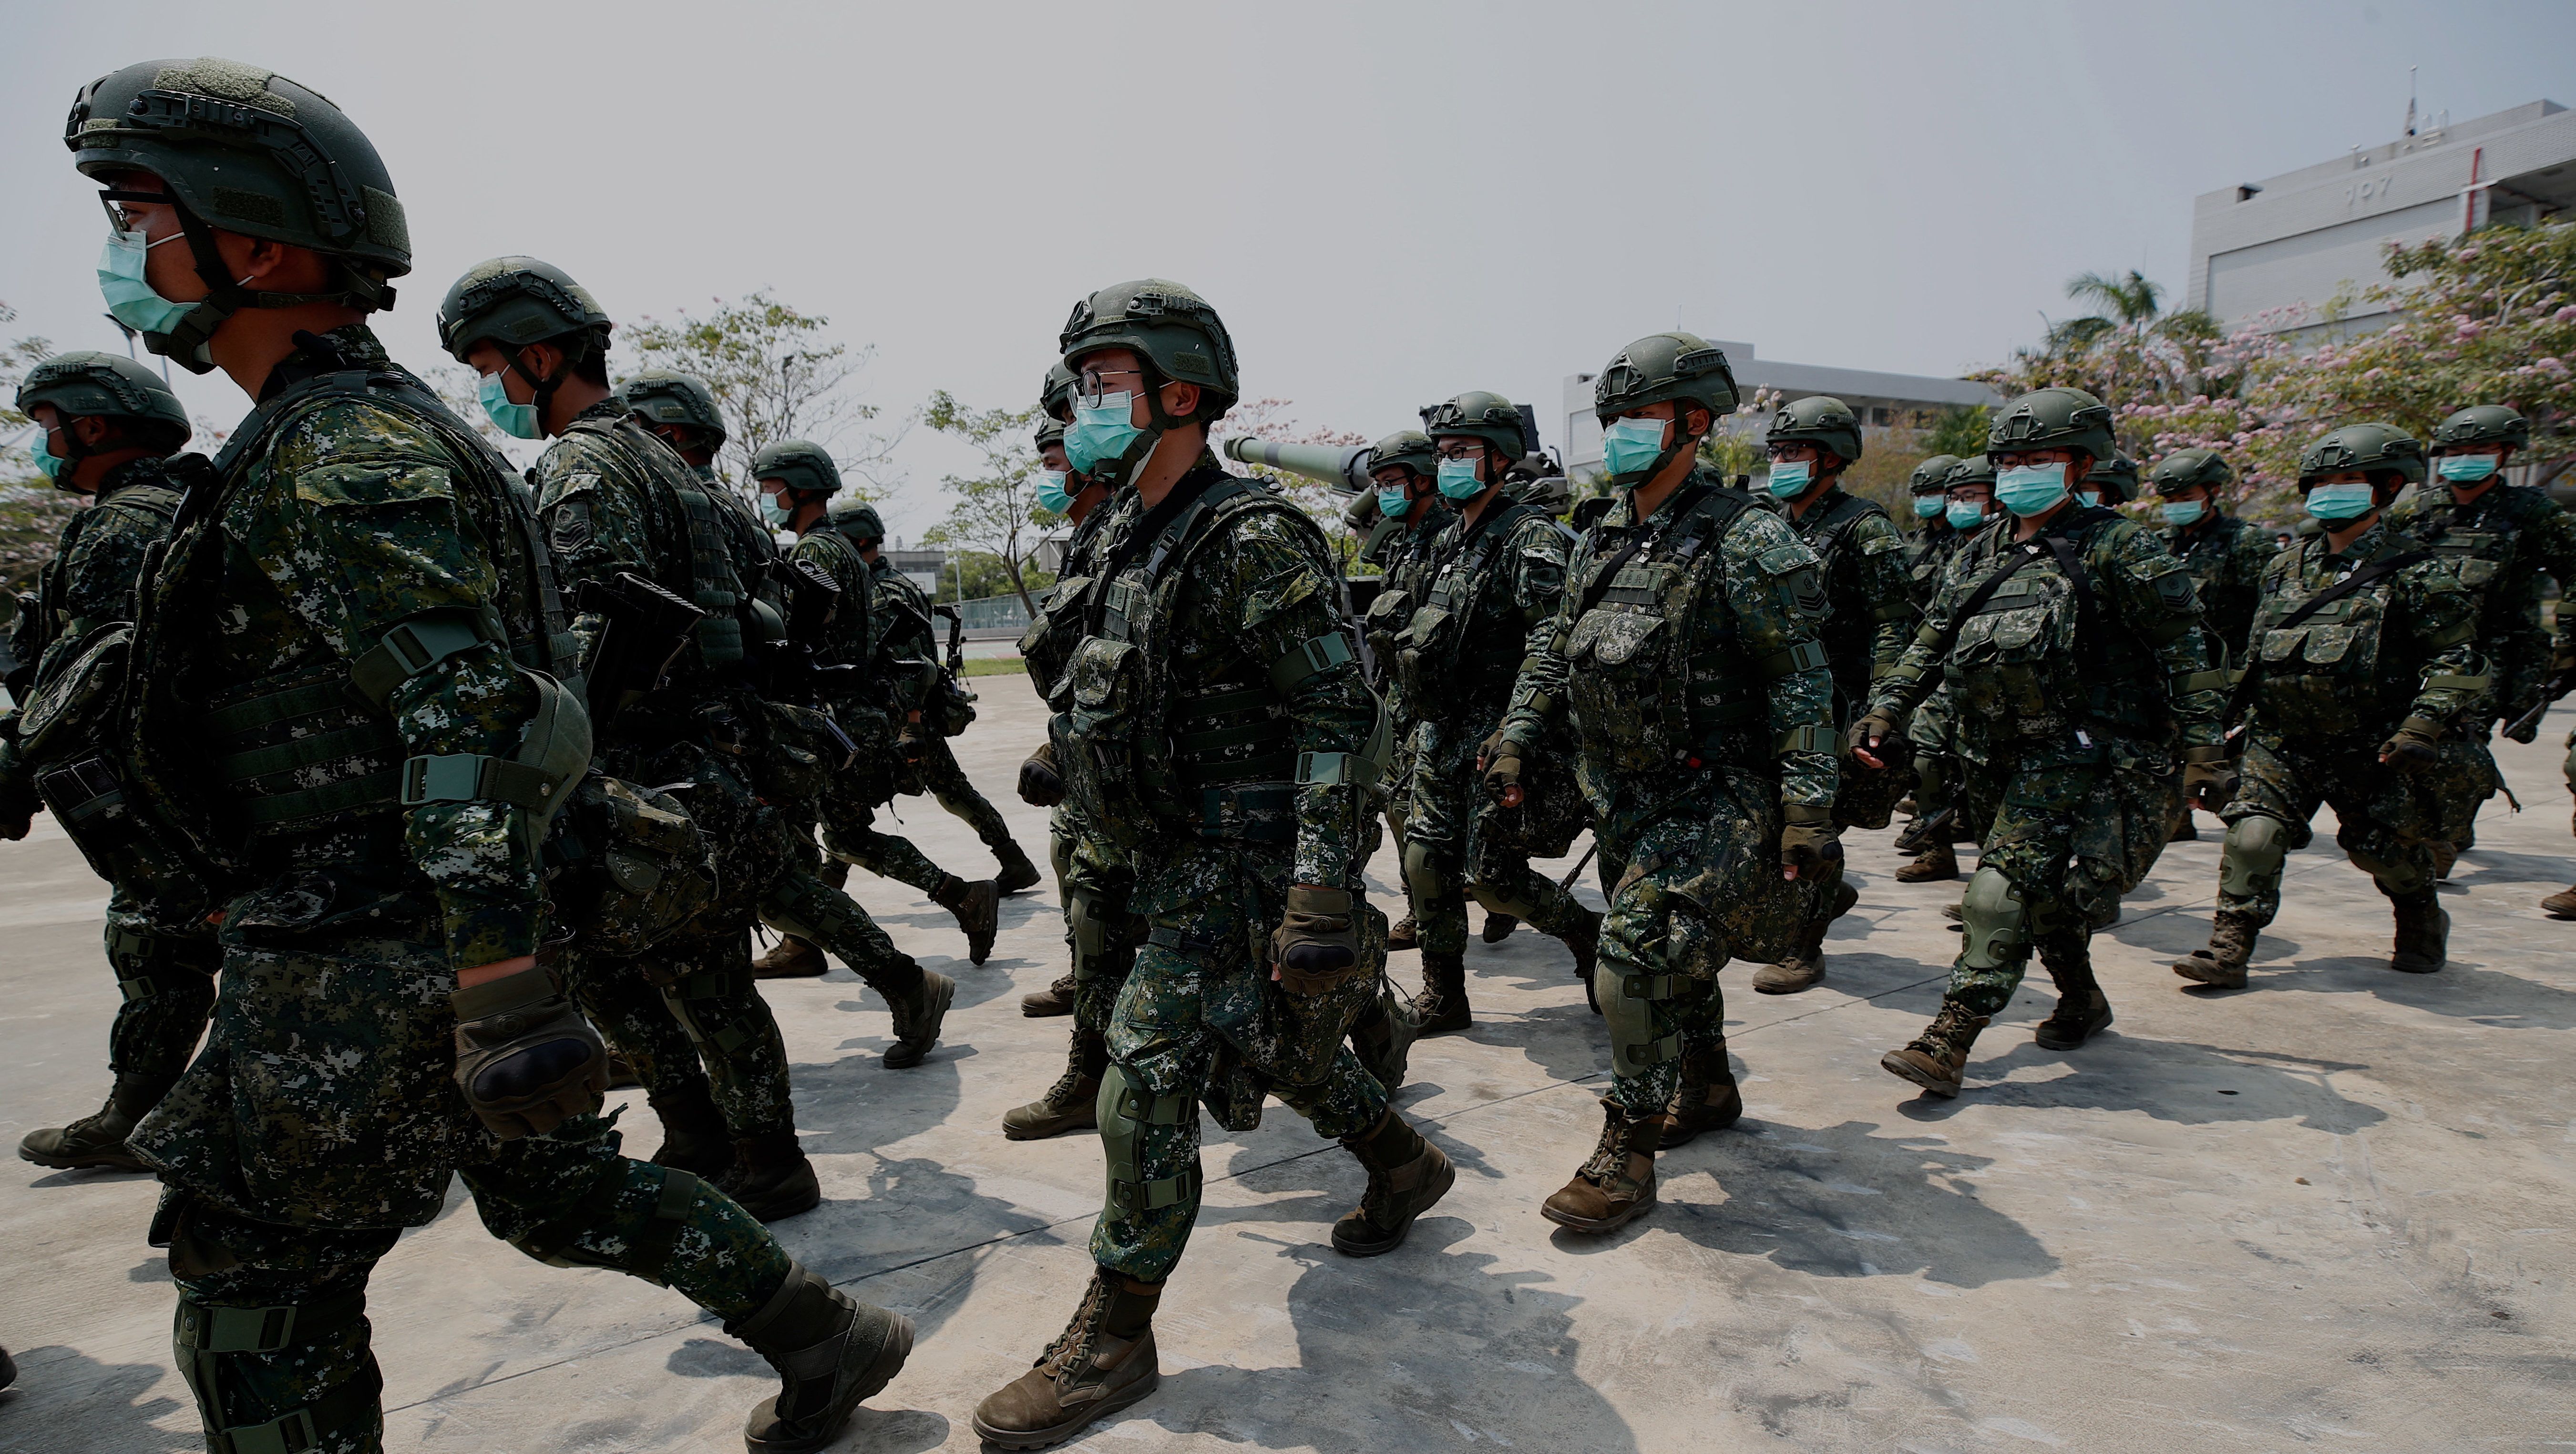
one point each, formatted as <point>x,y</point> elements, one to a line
<point>771,1179</point>
<point>2560,905</point>
<point>694,1138</point>
<point>1072,1103</point>
<point>977,906</point>
<point>1442,1005</point>
<point>790,958</point>
<point>1937,864</point>
<point>1806,962</point>
<point>1017,872</point>
<point>1937,1059</point>
<point>1617,1184</point>
<point>1055,999</point>
<point>1498,927</point>
<point>1382,1037</point>
<point>2446,856</point>
<point>2423,933</point>
<point>1406,1174</point>
<point>2231,946</point>
<point>622,1074</point>
<point>1707,1099</point>
<point>831,1353</point>
<point>2083,1011</point>
<point>917,1018</point>
<point>1103,1361</point>
<point>97,1139</point>
<point>1406,935</point>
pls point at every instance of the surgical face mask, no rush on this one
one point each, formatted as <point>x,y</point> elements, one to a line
<point>1791,477</point>
<point>2091,498</point>
<point>519,421</point>
<point>50,464</point>
<point>129,297</point>
<point>1964,514</point>
<point>776,514</point>
<point>1101,432</point>
<point>1927,507</point>
<point>2184,512</point>
<point>1630,446</point>
<point>2466,469</point>
<point>1393,501</point>
<point>1457,480</point>
<point>2342,502</point>
<point>1052,496</point>
<point>2030,489</point>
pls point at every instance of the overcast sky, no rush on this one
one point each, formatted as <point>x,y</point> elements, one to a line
<point>1389,203</point>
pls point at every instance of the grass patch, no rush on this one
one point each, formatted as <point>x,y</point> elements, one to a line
<point>994,666</point>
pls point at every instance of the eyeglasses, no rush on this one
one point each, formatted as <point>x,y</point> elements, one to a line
<point>1460,449</point>
<point>1093,387</point>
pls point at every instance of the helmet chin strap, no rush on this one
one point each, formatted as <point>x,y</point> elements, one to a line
<point>225,296</point>
<point>544,388</point>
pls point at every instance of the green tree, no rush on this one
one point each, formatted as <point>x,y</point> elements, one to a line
<point>777,374</point>
<point>996,509</point>
<point>1960,431</point>
<point>32,512</point>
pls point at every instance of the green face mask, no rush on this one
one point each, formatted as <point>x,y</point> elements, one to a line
<point>48,463</point>
<point>519,421</point>
<point>1929,507</point>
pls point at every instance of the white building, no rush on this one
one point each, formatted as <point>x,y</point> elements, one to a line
<point>1883,401</point>
<point>2306,236</point>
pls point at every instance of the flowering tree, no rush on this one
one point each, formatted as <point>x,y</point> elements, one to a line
<point>1269,419</point>
<point>777,375</point>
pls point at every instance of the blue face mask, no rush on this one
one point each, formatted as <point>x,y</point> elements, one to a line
<point>1928,506</point>
<point>519,421</point>
<point>2030,489</point>
<point>1457,480</point>
<point>775,513</point>
<point>1964,514</point>
<point>2183,512</point>
<point>1629,447</point>
<point>48,463</point>
<point>1101,432</point>
<point>1394,502</point>
<point>129,297</point>
<point>2342,502</point>
<point>1051,492</point>
<point>2466,469</point>
<point>1791,477</point>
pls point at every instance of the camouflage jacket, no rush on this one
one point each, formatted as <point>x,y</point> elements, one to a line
<point>1869,602</point>
<point>2225,556</point>
<point>847,638</point>
<point>899,615</point>
<point>1696,649</point>
<point>359,528</point>
<point>1403,557</point>
<point>1488,598</point>
<point>1048,645</point>
<point>90,581</point>
<point>2054,663</point>
<point>2403,646</point>
<point>2501,544</point>
<point>1927,551</point>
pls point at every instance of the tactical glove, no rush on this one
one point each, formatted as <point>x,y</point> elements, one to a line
<point>1317,943</point>
<point>1500,760</point>
<point>1875,727</point>
<point>2411,748</point>
<point>1041,786</point>
<point>1808,839</point>
<point>525,1058</point>
<point>912,744</point>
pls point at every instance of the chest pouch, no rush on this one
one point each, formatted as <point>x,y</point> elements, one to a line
<point>2014,660</point>
<point>2318,672</point>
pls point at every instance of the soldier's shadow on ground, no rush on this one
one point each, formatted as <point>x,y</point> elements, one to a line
<point>61,1390</point>
<point>1425,1348</point>
<point>2462,989</point>
<point>2175,1081</point>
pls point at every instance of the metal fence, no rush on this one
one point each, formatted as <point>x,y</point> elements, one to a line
<point>993,615</point>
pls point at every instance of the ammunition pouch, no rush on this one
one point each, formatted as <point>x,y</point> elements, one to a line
<point>628,867</point>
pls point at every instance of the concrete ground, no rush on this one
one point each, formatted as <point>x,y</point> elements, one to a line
<point>2331,1211</point>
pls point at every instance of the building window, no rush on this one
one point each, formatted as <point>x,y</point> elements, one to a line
<point>1881,416</point>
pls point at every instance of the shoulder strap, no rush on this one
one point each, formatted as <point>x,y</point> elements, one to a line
<point>1641,539</point>
<point>2380,569</point>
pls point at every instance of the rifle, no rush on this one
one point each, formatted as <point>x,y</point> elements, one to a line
<point>1589,849</point>
<point>1918,835</point>
<point>2550,691</point>
<point>643,630</point>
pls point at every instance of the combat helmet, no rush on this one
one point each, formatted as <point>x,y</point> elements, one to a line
<point>2482,426</point>
<point>1172,329</point>
<point>1661,366</point>
<point>89,385</point>
<point>1932,476</point>
<point>1821,420</point>
<point>2054,419</point>
<point>1972,469</point>
<point>2115,479</point>
<point>1055,396</point>
<point>516,301</point>
<point>1479,415</point>
<point>1407,449</point>
<point>805,466</point>
<point>245,150</point>
<point>2370,448</point>
<point>2185,468</point>
<point>858,520</point>
<point>1050,432</point>
<point>667,396</point>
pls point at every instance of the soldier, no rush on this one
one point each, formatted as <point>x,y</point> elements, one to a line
<point>1869,616</point>
<point>2365,656</point>
<point>1221,730</point>
<point>2111,482</point>
<point>2069,642</point>
<point>350,710</point>
<point>2500,539</point>
<point>616,502</point>
<point>800,480</point>
<point>1490,588</point>
<point>116,422</point>
<point>1687,654</point>
<point>1410,516</point>
<point>2225,556</point>
<point>1965,491</point>
<point>1933,534</point>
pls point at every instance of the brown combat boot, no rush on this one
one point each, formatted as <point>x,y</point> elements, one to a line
<point>1382,1036</point>
<point>830,1351</point>
<point>2423,933</point>
<point>1442,1005</point>
<point>977,906</point>
<point>694,1138</point>
<point>1103,1361</point>
<point>1017,872</point>
<point>1617,1183</point>
<point>1055,999</point>
<point>97,1139</point>
<point>2231,945</point>
<point>917,1018</point>
<point>1806,963</point>
<point>1937,1059</point>
<point>1933,865</point>
<point>622,1074</point>
<point>2083,1011</point>
<point>1707,1099</point>
<point>2560,905</point>
<point>771,1179</point>
<point>1072,1103</point>
<point>790,958</point>
<point>2446,856</point>
<point>1405,935</point>
<point>1498,927</point>
<point>1406,1174</point>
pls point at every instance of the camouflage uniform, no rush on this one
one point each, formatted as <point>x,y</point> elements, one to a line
<point>899,614</point>
<point>2225,556</point>
<point>1870,614</point>
<point>164,964</point>
<point>1403,556</point>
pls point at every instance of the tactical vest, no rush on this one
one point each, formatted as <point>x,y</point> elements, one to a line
<point>2331,674</point>
<point>2037,659</point>
<point>52,620</point>
<point>1056,632</point>
<point>1150,754</point>
<point>715,585</point>
<point>1405,563</point>
<point>1449,666</point>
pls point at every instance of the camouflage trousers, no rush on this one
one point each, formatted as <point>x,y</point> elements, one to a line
<point>2386,821</point>
<point>939,775</point>
<point>850,836</point>
<point>1200,1020</point>
<point>1101,932</point>
<point>1454,846</point>
<point>2073,831</point>
<point>2460,781</point>
<point>168,984</point>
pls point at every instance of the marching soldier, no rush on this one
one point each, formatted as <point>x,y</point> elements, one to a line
<point>1964,489</point>
<point>2224,554</point>
<point>1411,514</point>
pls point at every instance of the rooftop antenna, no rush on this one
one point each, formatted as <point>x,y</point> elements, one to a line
<point>2410,100</point>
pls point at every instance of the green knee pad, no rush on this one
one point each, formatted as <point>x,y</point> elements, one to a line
<point>146,964</point>
<point>1628,1003</point>
<point>685,996</point>
<point>1125,1108</point>
<point>207,1339</point>
<point>1931,778</point>
<point>1060,854</point>
<point>2249,865</point>
<point>805,907</point>
<point>645,1253</point>
<point>1088,919</point>
<point>1995,924</point>
<point>2397,876</point>
<point>1423,878</point>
